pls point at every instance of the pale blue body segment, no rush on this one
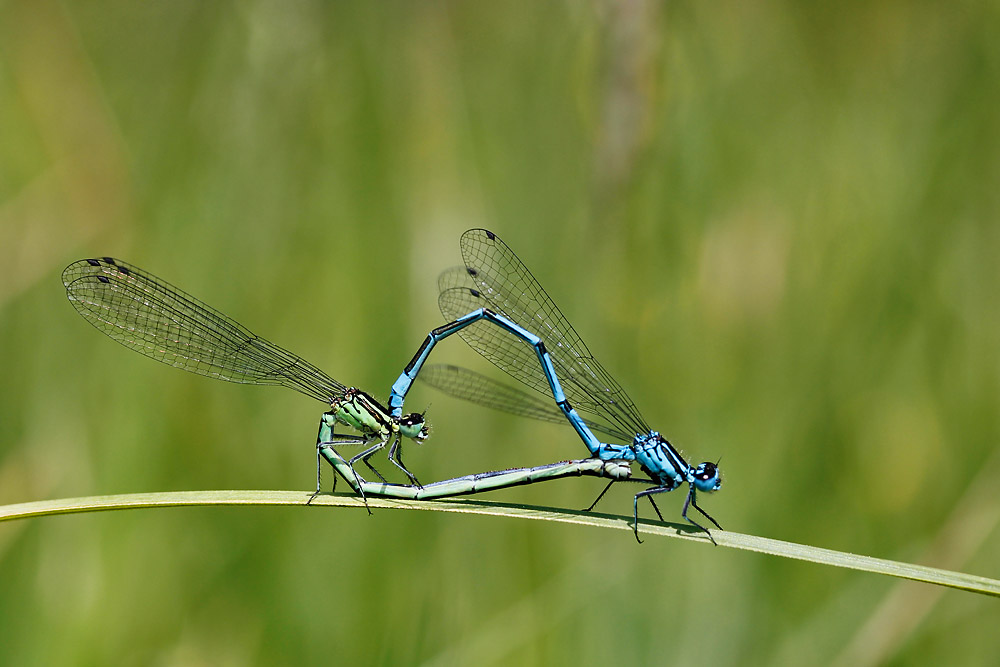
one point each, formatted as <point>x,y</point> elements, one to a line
<point>499,308</point>
<point>487,481</point>
<point>402,385</point>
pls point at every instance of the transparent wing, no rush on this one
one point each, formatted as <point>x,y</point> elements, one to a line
<point>155,319</point>
<point>472,386</point>
<point>456,276</point>
<point>495,278</point>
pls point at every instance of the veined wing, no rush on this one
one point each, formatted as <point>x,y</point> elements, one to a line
<point>496,279</point>
<point>155,319</point>
<point>472,386</point>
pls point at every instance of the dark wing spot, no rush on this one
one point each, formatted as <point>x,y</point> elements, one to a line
<point>490,235</point>
<point>93,262</point>
<point>103,279</point>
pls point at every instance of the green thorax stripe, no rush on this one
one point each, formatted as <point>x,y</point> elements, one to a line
<point>360,411</point>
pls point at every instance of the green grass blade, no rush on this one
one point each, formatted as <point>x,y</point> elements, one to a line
<point>930,575</point>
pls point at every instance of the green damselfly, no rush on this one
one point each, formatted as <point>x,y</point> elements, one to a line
<point>160,321</point>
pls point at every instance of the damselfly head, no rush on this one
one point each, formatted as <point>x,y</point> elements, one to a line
<point>707,477</point>
<point>414,427</point>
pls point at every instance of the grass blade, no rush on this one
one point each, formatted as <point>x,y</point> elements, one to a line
<point>930,575</point>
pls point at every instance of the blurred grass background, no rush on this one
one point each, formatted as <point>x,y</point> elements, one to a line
<point>776,224</point>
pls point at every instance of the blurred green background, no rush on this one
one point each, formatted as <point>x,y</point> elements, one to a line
<point>776,223</point>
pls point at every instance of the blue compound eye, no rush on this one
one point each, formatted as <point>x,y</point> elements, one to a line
<point>707,477</point>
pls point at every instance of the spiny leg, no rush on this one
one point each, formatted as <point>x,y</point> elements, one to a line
<point>635,480</point>
<point>327,437</point>
<point>365,457</point>
<point>601,495</point>
<point>336,440</point>
<point>319,478</point>
<point>396,457</point>
<point>655,508</point>
<point>684,514</point>
<point>325,427</point>
<point>694,503</point>
<point>368,463</point>
<point>635,507</point>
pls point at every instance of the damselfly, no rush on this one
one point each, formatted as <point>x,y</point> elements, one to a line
<point>500,310</point>
<point>487,481</point>
<point>154,318</point>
